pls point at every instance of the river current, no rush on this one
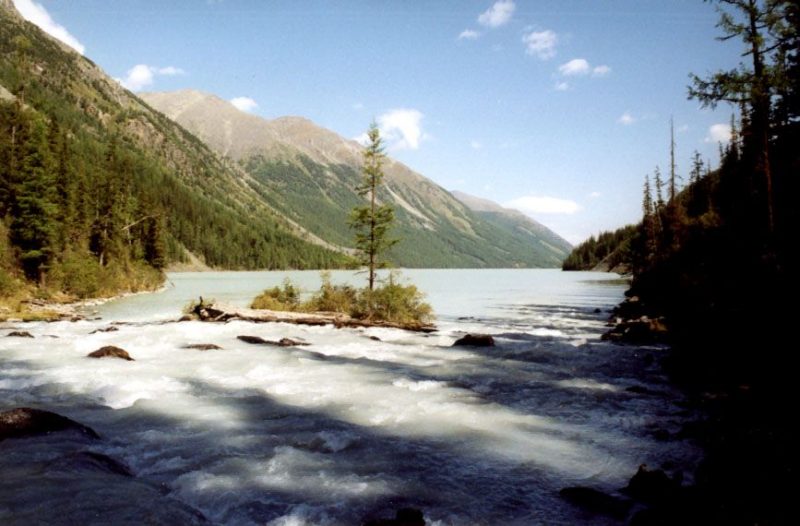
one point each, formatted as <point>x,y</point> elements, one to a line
<point>355,425</point>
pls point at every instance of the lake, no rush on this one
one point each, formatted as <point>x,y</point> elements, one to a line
<point>354,425</point>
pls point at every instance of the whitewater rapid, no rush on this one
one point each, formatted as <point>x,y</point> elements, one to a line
<point>354,425</point>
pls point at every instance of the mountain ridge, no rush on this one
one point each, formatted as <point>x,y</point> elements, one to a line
<point>308,173</point>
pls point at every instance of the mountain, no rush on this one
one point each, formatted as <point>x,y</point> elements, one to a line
<point>93,182</point>
<point>526,231</point>
<point>309,174</point>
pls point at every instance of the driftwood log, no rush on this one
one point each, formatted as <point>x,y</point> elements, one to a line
<point>223,313</point>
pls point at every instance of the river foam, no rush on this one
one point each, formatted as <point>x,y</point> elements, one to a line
<point>351,426</point>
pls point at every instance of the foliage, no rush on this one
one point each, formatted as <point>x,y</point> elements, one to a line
<point>334,298</point>
<point>397,303</point>
<point>283,298</point>
<point>97,190</point>
<point>390,301</point>
<point>372,221</point>
<point>611,249</point>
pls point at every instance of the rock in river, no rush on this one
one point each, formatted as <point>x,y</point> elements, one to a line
<point>475,340</point>
<point>109,351</point>
<point>25,422</point>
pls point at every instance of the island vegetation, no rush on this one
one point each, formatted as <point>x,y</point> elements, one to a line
<point>390,301</point>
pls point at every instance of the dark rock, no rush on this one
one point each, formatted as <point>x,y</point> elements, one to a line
<point>288,342</point>
<point>403,517</point>
<point>19,334</point>
<point>202,346</point>
<point>283,342</point>
<point>112,328</point>
<point>255,340</point>
<point>597,311</point>
<point>26,422</point>
<point>639,331</point>
<point>187,317</point>
<point>93,462</point>
<point>596,501</point>
<point>110,351</point>
<point>651,487</point>
<point>475,340</point>
<point>374,338</point>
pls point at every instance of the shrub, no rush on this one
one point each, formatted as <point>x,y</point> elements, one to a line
<point>286,297</point>
<point>333,298</point>
<point>395,302</point>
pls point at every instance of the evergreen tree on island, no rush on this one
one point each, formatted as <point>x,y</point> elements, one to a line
<point>372,221</point>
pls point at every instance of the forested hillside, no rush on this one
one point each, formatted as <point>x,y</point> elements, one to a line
<point>309,174</point>
<point>717,264</point>
<point>98,192</point>
<point>609,251</point>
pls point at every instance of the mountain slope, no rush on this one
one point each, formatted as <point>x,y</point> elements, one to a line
<point>309,174</point>
<point>161,173</point>
<point>549,246</point>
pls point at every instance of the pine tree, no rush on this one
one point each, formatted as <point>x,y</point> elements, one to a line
<point>372,221</point>
<point>673,176</point>
<point>751,86</point>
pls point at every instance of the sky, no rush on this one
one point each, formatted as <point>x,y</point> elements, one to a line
<point>558,108</point>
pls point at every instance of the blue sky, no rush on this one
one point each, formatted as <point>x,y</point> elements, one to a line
<point>558,108</point>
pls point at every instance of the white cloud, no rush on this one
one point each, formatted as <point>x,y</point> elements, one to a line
<point>37,14</point>
<point>245,104</point>
<point>402,128</point>
<point>533,204</point>
<point>601,70</point>
<point>541,44</point>
<point>576,66</point>
<point>469,34</point>
<point>561,86</point>
<point>475,145</point>
<point>595,195</point>
<point>683,128</point>
<point>497,15</point>
<point>719,133</point>
<point>626,119</point>
<point>141,75</point>
<point>358,106</point>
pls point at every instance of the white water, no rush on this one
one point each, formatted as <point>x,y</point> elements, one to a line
<point>347,427</point>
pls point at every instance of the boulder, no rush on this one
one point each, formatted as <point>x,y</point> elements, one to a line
<point>475,340</point>
<point>651,487</point>
<point>110,351</point>
<point>27,422</point>
<point>595,501</point>
<point>19,334</point>
<point>91,461</point>
<point>202,346</point>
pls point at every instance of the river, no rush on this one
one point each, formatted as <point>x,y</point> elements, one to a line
<point>354,425</point>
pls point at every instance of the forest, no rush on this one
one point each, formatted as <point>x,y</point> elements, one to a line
<point>98,193</point>
<point>716,261</point>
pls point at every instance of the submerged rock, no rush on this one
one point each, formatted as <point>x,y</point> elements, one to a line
<point>475,340</point>
<point>90,461</point>
<point>403,517</point>
<point>26,422</point>
<point>112,328</point>
<point>202,346</point>
<point>110,351</point>
<point>283,342</point>
<point>596,501</point>
<point>19,334</point>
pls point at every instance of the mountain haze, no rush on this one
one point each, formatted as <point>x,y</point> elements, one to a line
<point>309,174</point>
